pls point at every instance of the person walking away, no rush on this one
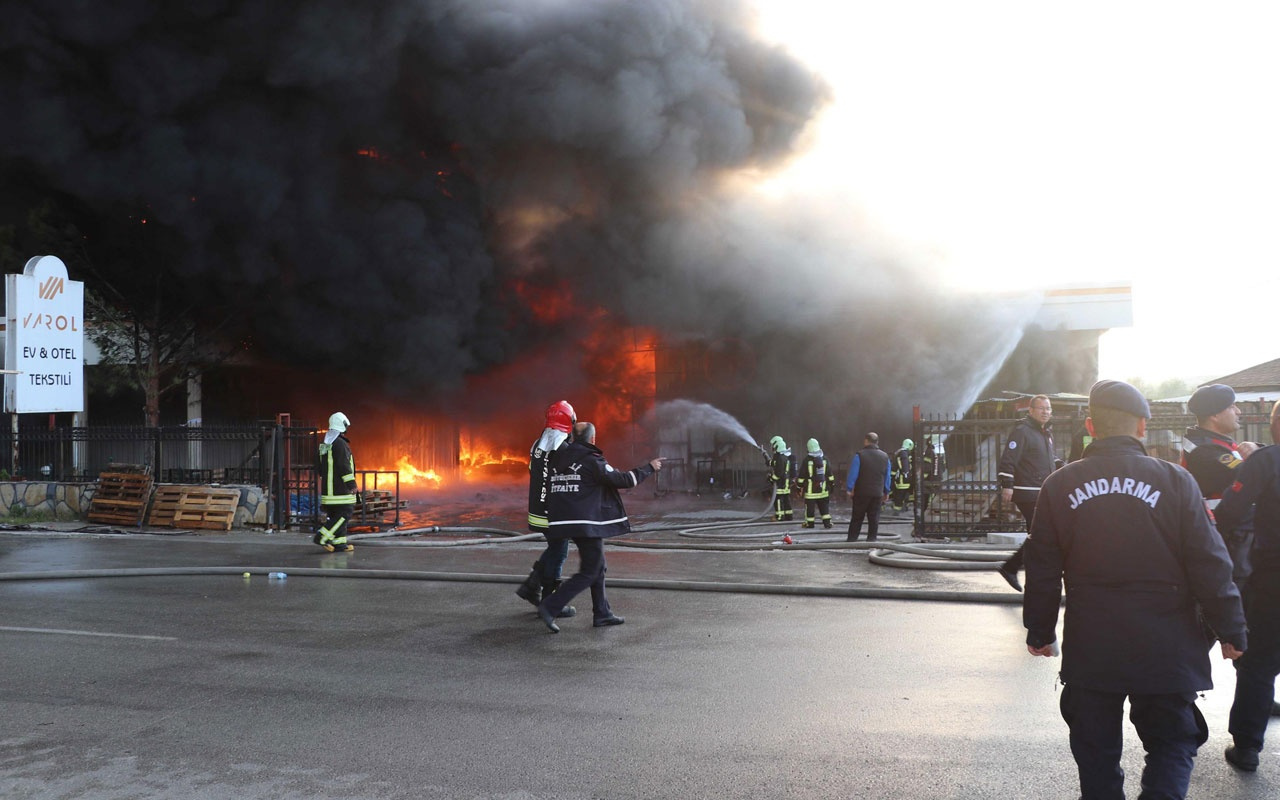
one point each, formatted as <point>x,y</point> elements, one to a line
<point>868,486</point>
<point>1027,460</point>
<point>337,470</point>
<point>815,481</point>
<point>1256,491</point>
<point>585,506</point>
<point>1129,534</point>
<point>782,474</point>
<point>545,576</point>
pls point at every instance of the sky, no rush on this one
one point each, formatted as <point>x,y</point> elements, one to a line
<point>1025,145</point>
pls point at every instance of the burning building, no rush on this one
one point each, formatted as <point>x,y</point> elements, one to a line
<point>440,216</point>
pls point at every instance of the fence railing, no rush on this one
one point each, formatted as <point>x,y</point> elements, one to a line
<point>963,500</point>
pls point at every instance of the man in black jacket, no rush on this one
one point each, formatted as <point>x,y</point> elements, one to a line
<point>1027,460</point>
<point>1129,535</point>
<point>1256,490</point>
<point>585,506</point>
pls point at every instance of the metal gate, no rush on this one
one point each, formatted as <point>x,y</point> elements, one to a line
<point>963,500</point>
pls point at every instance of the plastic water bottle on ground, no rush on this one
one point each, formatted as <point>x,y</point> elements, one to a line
<point>277,576</point>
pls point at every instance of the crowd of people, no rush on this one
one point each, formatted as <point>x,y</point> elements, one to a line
<point>1161,560</point>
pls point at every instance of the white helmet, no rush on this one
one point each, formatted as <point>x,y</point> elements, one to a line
<point>339,422</point>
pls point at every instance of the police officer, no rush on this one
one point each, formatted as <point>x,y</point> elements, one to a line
<point>337,485</point>
<point>1027,460</point>
<point>782,473</point>
<point>815,480</point>
<point>1211,455</point>
<point>1257,489</point>
<point>1129,534</point>
<point>545,576</point>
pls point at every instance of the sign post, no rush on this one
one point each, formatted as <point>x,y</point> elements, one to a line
<point>44,342</point>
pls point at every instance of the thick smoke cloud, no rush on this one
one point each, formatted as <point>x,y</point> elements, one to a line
<point>374,183</point>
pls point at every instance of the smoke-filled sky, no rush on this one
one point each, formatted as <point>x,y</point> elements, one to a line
<point>1010,144</point>
<point>401,189</point>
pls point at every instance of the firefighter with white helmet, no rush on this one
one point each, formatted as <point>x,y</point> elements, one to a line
<point>337,470</point>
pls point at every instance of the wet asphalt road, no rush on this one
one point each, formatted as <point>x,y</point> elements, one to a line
<point>214,686</point>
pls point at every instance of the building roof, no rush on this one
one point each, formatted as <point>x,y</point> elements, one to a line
<point>1258,378</point>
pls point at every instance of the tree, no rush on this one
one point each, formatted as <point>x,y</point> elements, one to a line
<point>149,325</point>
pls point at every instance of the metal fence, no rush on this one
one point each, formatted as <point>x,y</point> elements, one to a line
<point>964,501</point>
<point>279,458</point>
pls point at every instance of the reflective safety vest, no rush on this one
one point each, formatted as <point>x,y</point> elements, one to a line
<point>816,477</point>
<point>337,473</point>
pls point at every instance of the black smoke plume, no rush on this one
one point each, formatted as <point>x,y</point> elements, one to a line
<point>376,186</point>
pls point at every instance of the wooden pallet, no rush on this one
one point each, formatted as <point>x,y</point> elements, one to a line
<point>377,501</point>
<point>120,498</point>
<point>178,506</point>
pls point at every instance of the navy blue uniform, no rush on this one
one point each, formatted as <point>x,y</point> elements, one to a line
<point>1214,459</point>
<point>1129,537</point>
<point>1257,488</point>
<point>585,506</point>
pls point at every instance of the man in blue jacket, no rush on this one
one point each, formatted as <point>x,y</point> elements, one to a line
<point>1129,536</point>
<point>868,486</point>
<point>585,506</point>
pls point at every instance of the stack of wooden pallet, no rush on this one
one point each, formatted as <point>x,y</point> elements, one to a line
<point>180,506</point>
<point>376,501</point>
<point>121,495</point>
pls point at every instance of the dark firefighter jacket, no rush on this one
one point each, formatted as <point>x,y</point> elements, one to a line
<point>337,473</point>
<point>782,471</point>
<point>1027,459</point>
<point>815,476</point>
<point>1258,483</point>
<point>584,500</point>
<point>540,476</point>
<point>1129,537</point>
<point>904,467</point>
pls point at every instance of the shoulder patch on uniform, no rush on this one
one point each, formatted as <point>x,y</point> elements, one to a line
<point>1230,459</point>
<point>1013,445</point>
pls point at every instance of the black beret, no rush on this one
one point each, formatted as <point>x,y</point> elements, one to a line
<point>1209,400</point>
<point>1119,396</point>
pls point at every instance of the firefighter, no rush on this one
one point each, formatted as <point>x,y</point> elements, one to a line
<point>545,577</point>
<point>931,467</point>
<point>782,474</point>
<point>815,479</point>
<point>904,463</point>
<point>338,493</point>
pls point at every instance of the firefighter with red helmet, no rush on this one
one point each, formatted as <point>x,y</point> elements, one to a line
<point>545,577</point>
<point>337,470</point>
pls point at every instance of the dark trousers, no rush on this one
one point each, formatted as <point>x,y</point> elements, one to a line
<point>782,505</point>
<point>1014,564</point>
<point>590,573</point>
<point>551,562</point>
<point>1256,670</point>
<point>817,505</point>
<point>865,506</point>
<point>1171,729</point>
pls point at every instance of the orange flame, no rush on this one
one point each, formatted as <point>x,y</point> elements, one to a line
<point>412,476</point>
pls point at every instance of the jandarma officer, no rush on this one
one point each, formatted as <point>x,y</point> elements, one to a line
<point>1129,534</point>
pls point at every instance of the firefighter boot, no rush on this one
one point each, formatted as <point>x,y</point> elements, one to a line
<point>531,589</point>
<point>548,589</point>
<point>321,540</point>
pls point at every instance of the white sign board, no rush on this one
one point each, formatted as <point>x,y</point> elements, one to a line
<point>44,339</point>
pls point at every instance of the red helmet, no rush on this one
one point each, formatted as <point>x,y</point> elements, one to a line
<point>561,417</point>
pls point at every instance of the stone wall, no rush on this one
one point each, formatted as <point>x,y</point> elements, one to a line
<point>70,501</point>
